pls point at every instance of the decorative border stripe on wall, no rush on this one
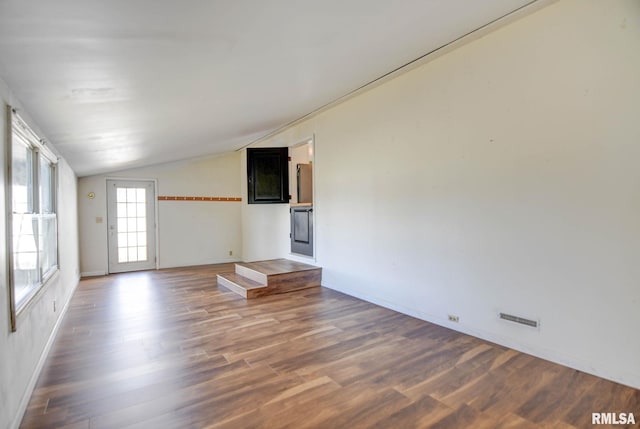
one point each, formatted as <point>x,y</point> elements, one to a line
<point>228,199</point>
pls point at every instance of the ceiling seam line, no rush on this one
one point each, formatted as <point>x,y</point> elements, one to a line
<point>384,76</point>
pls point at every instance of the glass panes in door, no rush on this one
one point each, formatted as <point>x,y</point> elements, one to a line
<point>131,224</point>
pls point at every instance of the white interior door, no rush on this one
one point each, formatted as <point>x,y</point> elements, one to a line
<point>131,225</point>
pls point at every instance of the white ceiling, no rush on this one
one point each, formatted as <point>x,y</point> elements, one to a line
<point>116,84</point>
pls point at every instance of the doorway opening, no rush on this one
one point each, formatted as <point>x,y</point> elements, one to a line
<point>301,189</point>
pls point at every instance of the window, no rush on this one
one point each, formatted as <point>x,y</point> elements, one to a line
<point>268,175</point>
<point>33,245</point>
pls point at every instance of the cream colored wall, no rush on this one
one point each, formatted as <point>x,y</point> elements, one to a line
<point>22,352</point>
<point>189,232</point>
<point>502,176</point>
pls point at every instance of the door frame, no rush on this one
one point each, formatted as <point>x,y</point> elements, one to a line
<point>155,209</point>
<point>311,140</point>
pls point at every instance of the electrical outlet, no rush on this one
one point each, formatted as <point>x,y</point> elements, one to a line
<point>230,252</point>
<point>453,318</point>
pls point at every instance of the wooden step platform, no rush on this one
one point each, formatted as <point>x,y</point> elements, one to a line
<point>255,279</point>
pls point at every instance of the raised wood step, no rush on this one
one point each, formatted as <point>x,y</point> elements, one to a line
<point>241,285</point>
<point>271,277</point>
<point>275,267</point>
<point>251,273</point>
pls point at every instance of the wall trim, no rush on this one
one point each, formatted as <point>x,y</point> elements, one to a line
<point>93,274</point>
<point>574,362</point>
<point>26,397</point>
<point>173,198</point>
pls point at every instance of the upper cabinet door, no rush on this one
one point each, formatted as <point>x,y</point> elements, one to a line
<point>268,175</point>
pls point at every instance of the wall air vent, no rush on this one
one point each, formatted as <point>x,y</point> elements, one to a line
<point>521,320</point>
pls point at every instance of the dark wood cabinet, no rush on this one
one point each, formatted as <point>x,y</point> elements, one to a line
<point>268,175</point>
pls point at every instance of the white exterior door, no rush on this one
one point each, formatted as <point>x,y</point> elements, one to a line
<point>131,225</point>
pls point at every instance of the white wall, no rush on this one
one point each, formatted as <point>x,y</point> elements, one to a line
<point>22,352</point>
<point>502,176</point>
<point>189,232</point>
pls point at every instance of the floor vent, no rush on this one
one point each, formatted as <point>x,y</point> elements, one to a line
<point>521,320</point>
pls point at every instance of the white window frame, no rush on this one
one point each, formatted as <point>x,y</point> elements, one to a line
<point>17,127</point>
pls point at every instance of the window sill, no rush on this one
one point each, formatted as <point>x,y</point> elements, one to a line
<point>29,303</point>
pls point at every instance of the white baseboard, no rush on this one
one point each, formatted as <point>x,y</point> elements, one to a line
<point>93,274</point>
<point>24,402</point>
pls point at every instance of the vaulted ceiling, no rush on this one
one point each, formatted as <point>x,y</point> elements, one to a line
<point>116,84</point>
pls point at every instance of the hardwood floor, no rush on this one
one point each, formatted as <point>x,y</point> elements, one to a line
<point>169,349</point>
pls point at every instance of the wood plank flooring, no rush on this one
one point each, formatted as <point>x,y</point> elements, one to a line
<point>169,349</point>
<point>273,267</point>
